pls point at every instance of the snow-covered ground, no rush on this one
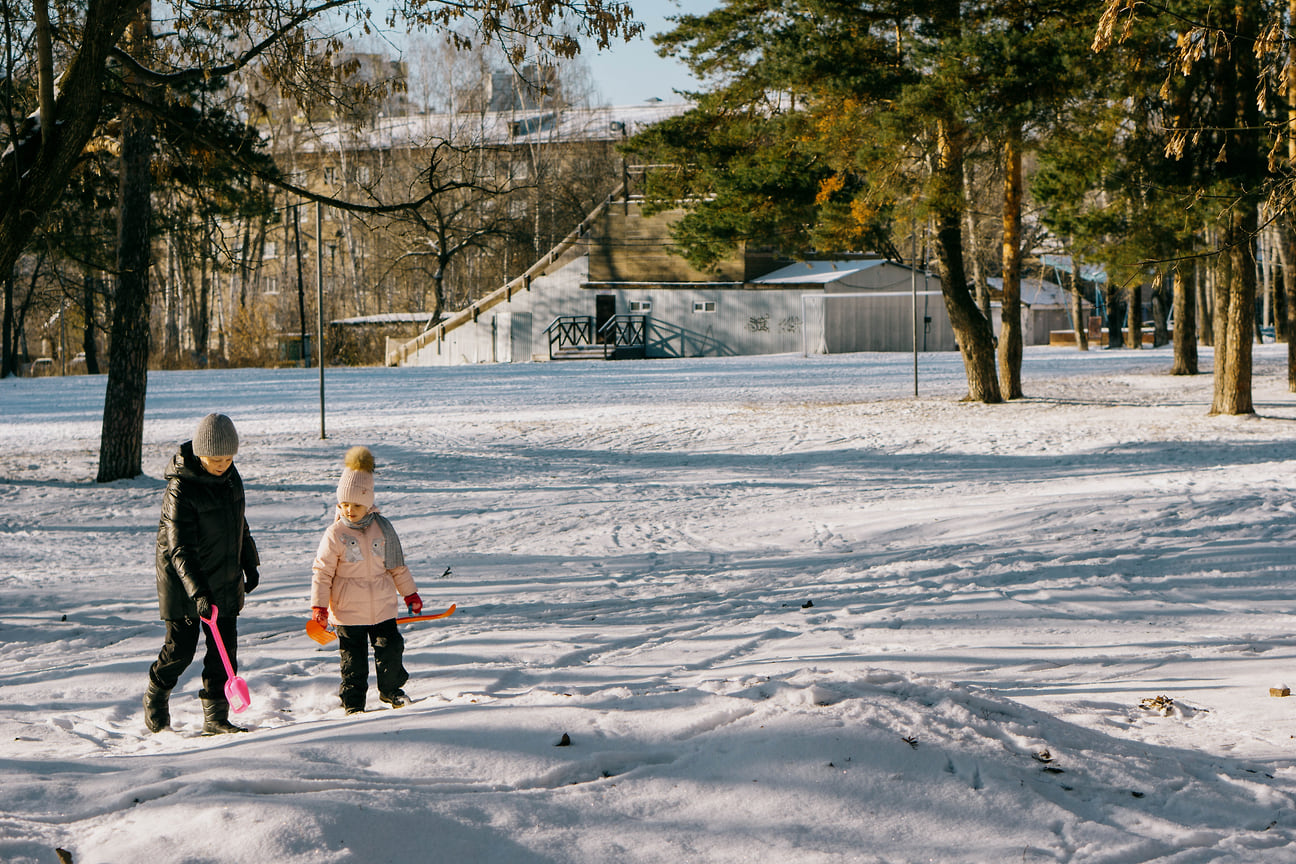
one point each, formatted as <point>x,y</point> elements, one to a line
<point>783,610</point>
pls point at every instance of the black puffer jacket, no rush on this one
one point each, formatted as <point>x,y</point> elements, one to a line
<point>203,543</point>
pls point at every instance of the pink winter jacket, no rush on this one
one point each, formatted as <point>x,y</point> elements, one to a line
<point>351,579</point>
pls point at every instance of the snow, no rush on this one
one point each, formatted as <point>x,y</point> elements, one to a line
<point>783,610</point>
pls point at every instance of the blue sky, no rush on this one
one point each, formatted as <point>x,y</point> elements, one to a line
<point>630,73</point>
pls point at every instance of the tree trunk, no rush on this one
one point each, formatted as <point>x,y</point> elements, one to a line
<point>171,298</point>
<point>88,346</point>
<point>1235,324</point>
<point>200,299</point>
<point>1205,277</point>
<point>438,286</point>
<point>1078,322</point>
<point>1288,230</point>
<point>1265,285</point>
<point>1284,252</point>
<point>972,329</point>
<point>1243,168</point>
<point>20,309</point>
<point>980,287</point>
<point>1010,332</point>
<point>8,356</point>
<point>1221,274</point>
<point>1134,316</point>
<point>121,443</point>
<point>1185,318</point>
<point>1161,303</point>
<point>45,70</point>
<point>301,287</point>
<point>1288,239</point>
<point>1115,315</point>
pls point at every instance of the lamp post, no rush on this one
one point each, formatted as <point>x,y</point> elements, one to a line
<point>913,291</point>
<point>319,306</point>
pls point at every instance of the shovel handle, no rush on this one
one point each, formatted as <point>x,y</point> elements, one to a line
<point>220,643</point>
<point>235,687</point>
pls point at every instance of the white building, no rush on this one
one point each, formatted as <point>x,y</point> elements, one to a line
<point>612,289</point>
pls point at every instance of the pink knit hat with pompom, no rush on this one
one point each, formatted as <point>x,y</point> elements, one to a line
<point>357,483</point>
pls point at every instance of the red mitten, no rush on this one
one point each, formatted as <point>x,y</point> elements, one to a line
<point>414,603</point>
<point>319,614</point>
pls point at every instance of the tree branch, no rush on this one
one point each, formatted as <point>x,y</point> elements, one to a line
<point>185,76</point>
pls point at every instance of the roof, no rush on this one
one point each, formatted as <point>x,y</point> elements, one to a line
<point>1065,263</point>
<point>496,127</point>
<point>818,272</point>
<point>388,318</point>
<point>1035,292</point>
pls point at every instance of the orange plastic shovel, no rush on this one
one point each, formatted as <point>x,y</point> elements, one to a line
<point>324,635</point>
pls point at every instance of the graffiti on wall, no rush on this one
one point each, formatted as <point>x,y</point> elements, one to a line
<point>761,324</point>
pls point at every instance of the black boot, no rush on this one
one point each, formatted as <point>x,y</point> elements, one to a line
<point>396,698</point>
<point>216,718</point>
<point>157,713</point>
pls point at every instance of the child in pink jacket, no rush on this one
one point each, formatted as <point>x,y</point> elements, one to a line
<point>359,574</point>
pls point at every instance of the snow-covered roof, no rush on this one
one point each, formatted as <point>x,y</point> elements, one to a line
<point>388,318</point>
<point>1035,292</point>
<point>483,128</point>
<point>817,272</point>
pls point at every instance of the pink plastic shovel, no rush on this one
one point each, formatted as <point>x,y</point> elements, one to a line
<point>236,689</point>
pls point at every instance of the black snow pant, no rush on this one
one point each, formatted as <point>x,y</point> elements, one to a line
<point>353,653</point>
<point>178,652</point>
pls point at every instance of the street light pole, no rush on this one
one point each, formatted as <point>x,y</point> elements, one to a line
<point>913,291</point>
<point>319,305</point>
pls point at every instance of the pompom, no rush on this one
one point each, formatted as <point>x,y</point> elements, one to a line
<point>359,458</point>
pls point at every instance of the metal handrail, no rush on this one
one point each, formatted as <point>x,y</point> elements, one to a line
<point>577,330</point>
<point>571,330</point>
<point>625,330</point>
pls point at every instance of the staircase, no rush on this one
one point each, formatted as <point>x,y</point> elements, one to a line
<point>581,352</point>
<point>574,337</point>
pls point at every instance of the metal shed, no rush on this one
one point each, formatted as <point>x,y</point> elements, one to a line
<point>1045,307</point>
<point>866,305</point>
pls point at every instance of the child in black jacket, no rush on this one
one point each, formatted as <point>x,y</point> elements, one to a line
<point>205,557</point>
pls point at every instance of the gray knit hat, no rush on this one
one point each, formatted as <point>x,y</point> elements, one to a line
<point>215,437</point>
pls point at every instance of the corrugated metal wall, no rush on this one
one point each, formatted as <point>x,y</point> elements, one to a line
<point>718,321</point>
<point>884,321</point>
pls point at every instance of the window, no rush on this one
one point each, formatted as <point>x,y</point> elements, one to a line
<point>704,306</point>
<point>270,251</point>
<point>640,306</point>
<point>330,175</point>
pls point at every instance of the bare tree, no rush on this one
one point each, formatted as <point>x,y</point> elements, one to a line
<point>206,42</point>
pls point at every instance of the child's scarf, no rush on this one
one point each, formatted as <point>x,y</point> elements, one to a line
<point>393,554</point>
